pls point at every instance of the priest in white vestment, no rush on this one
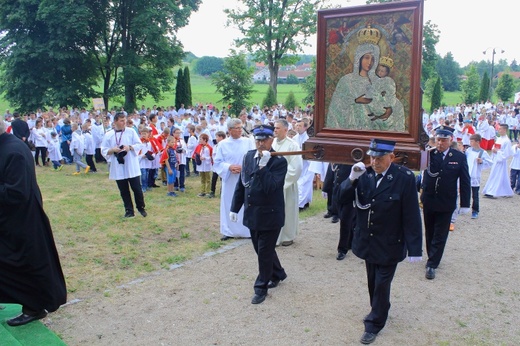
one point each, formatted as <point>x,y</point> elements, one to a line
<point>498,183</point>
<point>228,165</point>
<point>307,177</point>
<point>290,188</point>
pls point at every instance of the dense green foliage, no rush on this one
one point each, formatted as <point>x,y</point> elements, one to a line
<point>449,71</point>
<point>180,92</point>
<point>484,88</point>
<point>234,82</point>
<point>310,85</point>
<point>506,87</point>
<point>55,51</point>
<point>290,101</point>
<point>187,86</point>
<point>207,65</point>
<point>470,87</point>
<point>270,98</point>
<point>436,95</point>
<point>273,29</point>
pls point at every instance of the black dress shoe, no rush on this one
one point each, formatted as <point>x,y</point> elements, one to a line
<point>430,273</point>
<point>335,219</point>
<point>129,214</point>
<point>275,283</point>
<point>341,256</point>
<point>143,212</point>
<point>22,319</point>
<point>368,338</point>
<point>258,298</point>
<point>224,238</point>
<point>328,215</point>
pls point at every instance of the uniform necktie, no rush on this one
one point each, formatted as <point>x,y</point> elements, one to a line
<point>378,177</point>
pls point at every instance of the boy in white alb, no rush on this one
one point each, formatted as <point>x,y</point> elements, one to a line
<point>478,159</point>
<point>55,152</point>
<point>498,183</point>
<point>515,169</point>
<point>77,147</point>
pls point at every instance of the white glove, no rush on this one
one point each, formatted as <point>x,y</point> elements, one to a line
<point>233,216</point>
<point>414,259</point>
<point>266,155</point>
<point>464,211</point>
<point>357,170</point>
<point>324,195</point>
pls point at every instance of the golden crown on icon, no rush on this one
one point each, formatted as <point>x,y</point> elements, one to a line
<point>386,61</point>
<point>368,35</point>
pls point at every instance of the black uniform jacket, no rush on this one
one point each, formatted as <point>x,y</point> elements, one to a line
<point>388,220</point>
<point>439,183</point>
<point>30,270</point>
<point>261,193</point>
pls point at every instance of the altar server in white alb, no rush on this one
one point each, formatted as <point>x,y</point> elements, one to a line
<point>120,146</point>
<point>290,188</point>
<point>307,177</point>
<point>228,165</point>
<point>498,183</point>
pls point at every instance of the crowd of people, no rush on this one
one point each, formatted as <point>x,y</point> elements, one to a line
<point>263,192</point>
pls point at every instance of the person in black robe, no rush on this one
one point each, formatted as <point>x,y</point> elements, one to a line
<point>30,269</point>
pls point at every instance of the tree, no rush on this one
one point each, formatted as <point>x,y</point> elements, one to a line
<point>270,98</point>
<point>506,87</point>
<point>207,65</point>
<point>272,29</point>
<point>149,46</point>
<point>187,87</point>
<point>290,101</point>
<point>431,36</point>
<point>449,71</point>
<point>470,87</point>
<point>436,96</point>
<point>310,84</point>
<point>234,82</point>
<point>42,55</point>
<point>180,92</point>
<point>484,88</point>
<point>292,79</point>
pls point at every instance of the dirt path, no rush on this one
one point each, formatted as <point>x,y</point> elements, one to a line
<point>475,299</point>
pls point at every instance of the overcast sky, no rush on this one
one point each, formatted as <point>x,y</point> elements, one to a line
<point>467,28</point>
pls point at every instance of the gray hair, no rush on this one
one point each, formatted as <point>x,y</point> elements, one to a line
<point>282,122</point>
<point>233,122</point>
<point>2,127</point>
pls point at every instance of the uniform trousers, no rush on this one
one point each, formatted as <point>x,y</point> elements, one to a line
<point>269,267</point>
<point>124,186</point>
<point>347,217</point>
<point>437,228</point>
<point>379,279</point>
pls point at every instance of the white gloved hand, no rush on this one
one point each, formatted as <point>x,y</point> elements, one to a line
<point>414,259</point>
<point>324,195</point>
<point>357,170</point>
<point>233,216</point>
<point>464,211</point>
<point>266,155</point>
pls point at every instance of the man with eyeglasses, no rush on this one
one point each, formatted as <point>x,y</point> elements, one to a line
<point>228,165</point>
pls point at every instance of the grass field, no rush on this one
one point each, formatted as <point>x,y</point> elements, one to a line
<point>99,249</point>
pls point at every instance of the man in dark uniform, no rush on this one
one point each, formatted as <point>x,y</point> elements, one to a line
<point>388,225</point>
<point>338,173</point>
<point>30,270</point>
<point>260,191</point>
<point>439,194</point>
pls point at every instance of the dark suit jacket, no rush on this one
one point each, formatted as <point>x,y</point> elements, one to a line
<point>440,193</point>
<point>388,220</point>
<point>261,193</point>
